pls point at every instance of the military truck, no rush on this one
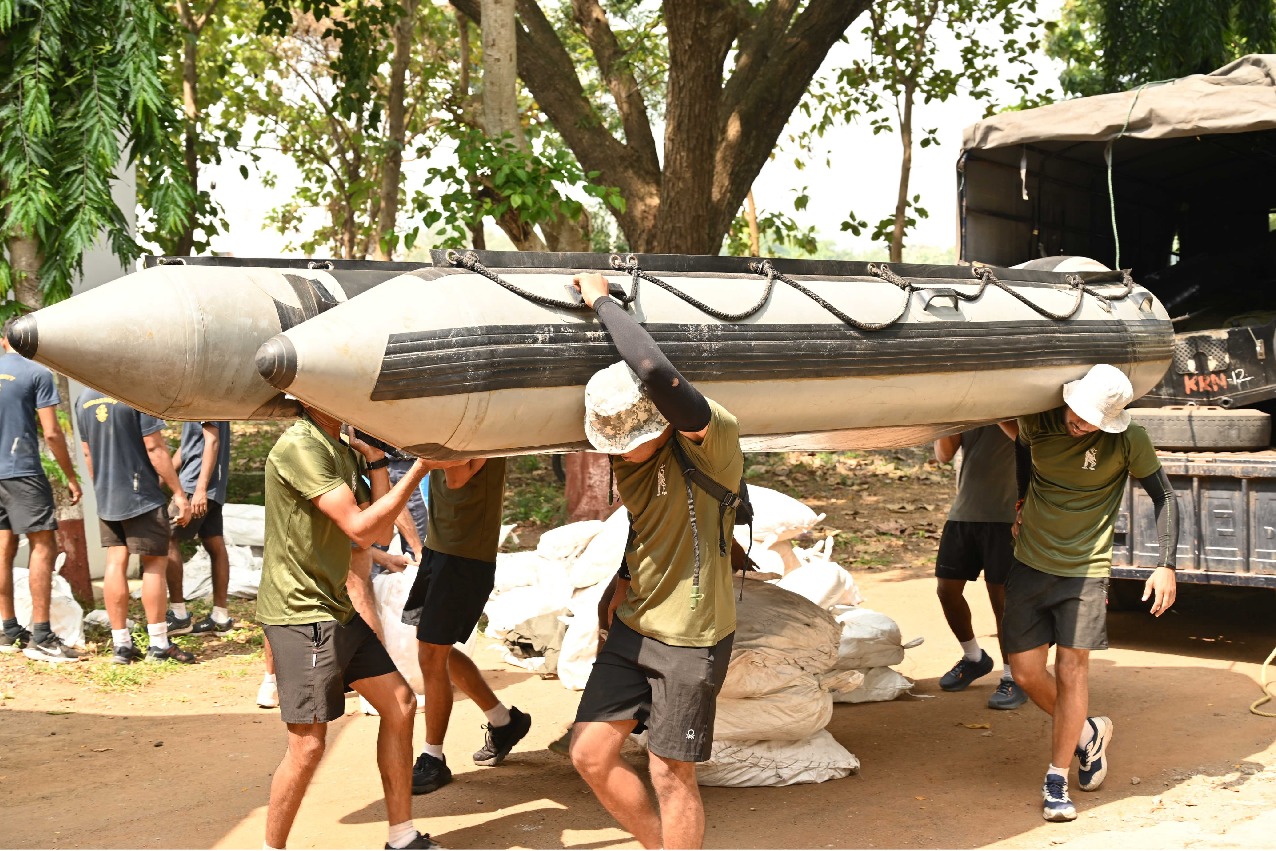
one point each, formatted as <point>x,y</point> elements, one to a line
<point>1176,182</point>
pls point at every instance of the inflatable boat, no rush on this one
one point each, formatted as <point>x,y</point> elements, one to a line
<point>487,354</point>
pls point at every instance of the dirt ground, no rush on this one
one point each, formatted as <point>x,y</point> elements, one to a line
<point>184,760</point>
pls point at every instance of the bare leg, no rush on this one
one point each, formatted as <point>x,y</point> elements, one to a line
<point>40,575</point>
<point>270,658</point>
<point>359,587</point>
<point>154,576</point>
<point>465,674</point>
<point>216,548</point>
<point>997,598</point>
<point>681,810</point>
<point>956,611</point>
<point>433,659</point>
<point>115,587</point>
<point>8,551</point>
<point>1029,671</point>
<point>292,778</point>
<point>396,705</point>
<point>174,573</point>
<point>1072,665</point>
<point>595,752</point>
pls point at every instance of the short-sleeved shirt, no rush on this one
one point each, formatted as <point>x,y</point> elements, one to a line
<point>661,559</point>
<point>307,556</point>
<point>25,386</point>
<point>986,479</point>
<point>466,522</point>
<point>124,480</point>
<point>1070,510</point>
<point>192,459</point>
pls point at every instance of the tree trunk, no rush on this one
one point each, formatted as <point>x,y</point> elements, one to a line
<point>905,172</point>
<point>588,481</point>
<point>396,131</point>
<point>751,216</point>
<point>500,71</point>
<point>185,241</point>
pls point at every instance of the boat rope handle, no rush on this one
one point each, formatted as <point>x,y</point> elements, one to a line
<point>469,260</point>
<point>766,269</point>
<point>630,266</point>
<point>1075,283</point>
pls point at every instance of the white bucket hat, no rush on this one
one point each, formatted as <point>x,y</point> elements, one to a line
<point>619,415</point>
<point>1100,398</point>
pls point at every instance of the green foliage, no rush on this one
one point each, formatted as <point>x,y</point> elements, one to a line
<point>80,91</point>
<point>778,232</point>
<point>1115,45</point>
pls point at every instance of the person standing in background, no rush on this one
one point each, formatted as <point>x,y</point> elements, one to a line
<point>202,460</point>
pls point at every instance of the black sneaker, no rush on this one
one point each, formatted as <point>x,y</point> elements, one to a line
<point>429,774</point>
<point>126,654</point>
<point>422,840</point>
<point>14,643</point>
<point>170,653</point>
<point>499,741</point>
<point>966,672</point>
<point>51,650</point>
<point>178,626</point>
<point>208,626</point>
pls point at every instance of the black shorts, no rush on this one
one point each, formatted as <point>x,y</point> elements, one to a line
<point>1043,609</point>
<point>26,505</point>
<point>672,691</point>
<point>144,535</point>
<point>315,663</point>
<point>448,596</point>
<point>208,526</point>
<point>966,548</point>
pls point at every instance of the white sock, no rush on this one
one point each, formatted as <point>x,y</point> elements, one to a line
<point>220,614</point>
<point>972,650</point>
<point>1087,734</point>
<point>266,846</point>
<point>1054,769</point>
<point>179,610</point>
<point>401,834</point>
<point>435,751</point>
<point>1005,672</point>
<point>498,715</point>
<point>159,635</point>
<point>268,678</point>
<point>121,638</point>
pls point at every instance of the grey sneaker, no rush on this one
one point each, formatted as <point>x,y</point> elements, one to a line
<point>178,626</point>
<point>1007,696</point>
<point>208,626</point>
<point>966,672</point>
<point>14,643</point>
<point>126,654</point>
<point>170,653</point>
<point>51,650</point>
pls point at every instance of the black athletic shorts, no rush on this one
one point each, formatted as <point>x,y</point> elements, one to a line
<point>26,505</point>
<point>1043,609</point>
<point>966,548</point>
<point>144,535</point>
<point>448,596</point>
<point>672,691</point>
<point>315,663</point>
<point>208,526</point>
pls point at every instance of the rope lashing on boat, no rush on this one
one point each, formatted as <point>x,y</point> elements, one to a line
<point>469,260</point>
<point>766,269</point>
<point>1075,282</point>
<point>629,265</point>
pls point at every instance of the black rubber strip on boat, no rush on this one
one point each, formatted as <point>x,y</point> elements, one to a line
<point>476,360</point>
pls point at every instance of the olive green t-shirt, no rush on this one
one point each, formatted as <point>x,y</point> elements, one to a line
<point>1074,494</point>
<point>662,558</point>
<point>307,556</point>
<point>466,522</point>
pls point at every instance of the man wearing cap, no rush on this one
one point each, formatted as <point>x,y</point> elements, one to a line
<point>673,610</point>
<point>1073,462</point>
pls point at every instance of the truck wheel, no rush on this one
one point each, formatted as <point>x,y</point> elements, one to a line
<point>1205,428</point>
<point>1126,595</point>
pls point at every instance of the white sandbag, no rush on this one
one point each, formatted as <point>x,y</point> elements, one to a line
<point>390,592</point>
<point>869,639</point>
<point>508,610</point>
<point>879,684</point>
<point>244,525</point>
<point>99,617</point>
<point>580,647</point>
<point>839,682</point>
<point>567,542</point>
<point>762,763</point>
<point>786,626</point>
<point>824,583</point>
<point>753,674</point>
<point>776,517</point>
<point>602,556</point>
<point>584,601</point>
<point>66,618</point>
<point>197,574</point>
<point>519,570</point>
<point>797,711</point>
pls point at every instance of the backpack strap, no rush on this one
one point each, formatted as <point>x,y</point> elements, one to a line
<point>726,499</point>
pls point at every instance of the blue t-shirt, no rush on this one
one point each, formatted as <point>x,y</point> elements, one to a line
<point>192,456</point>
<point>124,479</point>
<point>24,387</point>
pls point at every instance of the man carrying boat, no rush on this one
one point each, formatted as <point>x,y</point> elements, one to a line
<point>1073,462</point>
<point>673,611</point>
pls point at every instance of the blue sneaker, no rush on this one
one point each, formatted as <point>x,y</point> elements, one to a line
<point>1007,696</point>
<point>1056,805</point>
<point>178,626</point>
<point>966,672</point>
<point>1092,759</point>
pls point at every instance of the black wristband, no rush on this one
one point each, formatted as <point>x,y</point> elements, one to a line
<point>381,463</point>
<point>623,571</point>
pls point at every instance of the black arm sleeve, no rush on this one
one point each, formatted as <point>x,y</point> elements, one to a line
<point>1023,468</point>
<point>1166,506</point>
<point>674,396</point>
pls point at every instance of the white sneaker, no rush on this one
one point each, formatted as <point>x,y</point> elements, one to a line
<point>365,707</point>
<point>268,695</point>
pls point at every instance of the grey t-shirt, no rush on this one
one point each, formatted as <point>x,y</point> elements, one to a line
<point>24,387</point>
<point>124,480</point>
<point>192,457</point>
<point>986,480</point>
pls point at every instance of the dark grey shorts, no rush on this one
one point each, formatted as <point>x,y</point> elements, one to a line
<point>1043,609</point>
<point>208,526</point>
<point>672,691</point>
<point>26,505</point>
<point>144,535</point>
<point>448,596</point>
<point>316,662</point>
<point>966,548</point>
